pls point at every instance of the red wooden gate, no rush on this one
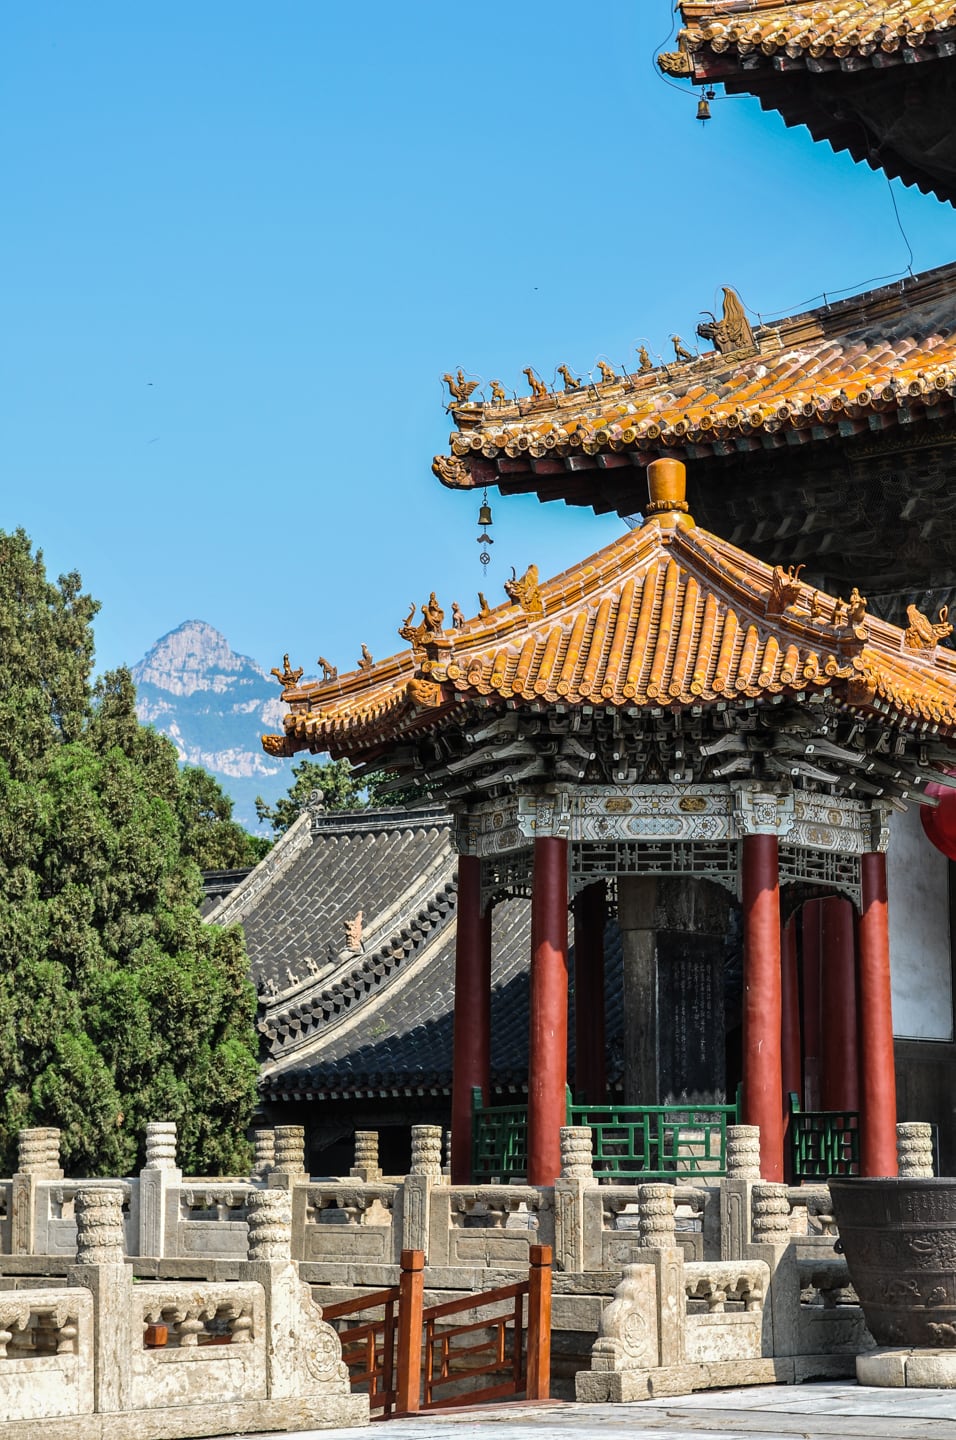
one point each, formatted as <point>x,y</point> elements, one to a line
<point>410,1358</point>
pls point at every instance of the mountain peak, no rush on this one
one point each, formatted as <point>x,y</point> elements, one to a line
<point>193,657</point>
<point>214,705</point>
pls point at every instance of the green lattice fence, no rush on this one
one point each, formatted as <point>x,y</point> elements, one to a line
<point>499,1141</point>
<point>657,1142</point>
<point>631,1142</point>
<point>823,1142</point>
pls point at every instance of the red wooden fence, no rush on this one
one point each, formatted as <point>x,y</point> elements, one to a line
<point>409,1357</point>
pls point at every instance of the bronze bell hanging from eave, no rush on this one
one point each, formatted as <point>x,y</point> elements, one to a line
<point>484,516</point>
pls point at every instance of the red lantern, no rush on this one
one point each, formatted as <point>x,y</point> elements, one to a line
<point>940,824</point>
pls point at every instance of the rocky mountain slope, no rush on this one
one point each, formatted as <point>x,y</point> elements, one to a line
<point>214,705</point>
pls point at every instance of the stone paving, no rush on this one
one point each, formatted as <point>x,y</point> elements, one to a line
<point>760,1412</point>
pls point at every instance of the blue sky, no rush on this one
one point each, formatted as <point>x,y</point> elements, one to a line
<point>241,242</point>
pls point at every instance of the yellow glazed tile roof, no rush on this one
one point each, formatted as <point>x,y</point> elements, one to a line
<point>872,77</point>
<point>808,30</point>
<point>881,359</point>
<point>667,616</point>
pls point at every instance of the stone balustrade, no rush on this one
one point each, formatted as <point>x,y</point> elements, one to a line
<point>592,1226</point>
<point>741,1272</point>
<point>104,1354</point>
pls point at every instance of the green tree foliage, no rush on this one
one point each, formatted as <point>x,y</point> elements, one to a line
<point>341,790</point>
<point>208,833</point>
<point>117,1005</point>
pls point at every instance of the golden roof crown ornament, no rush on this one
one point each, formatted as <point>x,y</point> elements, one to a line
<point>667,488</point>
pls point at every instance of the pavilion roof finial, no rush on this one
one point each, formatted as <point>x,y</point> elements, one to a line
<point>667,487</point>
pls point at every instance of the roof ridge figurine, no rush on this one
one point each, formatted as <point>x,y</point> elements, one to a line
<point>287,677</point>
<point>459,388</point>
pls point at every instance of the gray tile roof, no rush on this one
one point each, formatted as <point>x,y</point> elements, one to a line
<point>342,1020</point>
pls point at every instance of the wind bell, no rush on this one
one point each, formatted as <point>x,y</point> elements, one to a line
<point>484,520</point>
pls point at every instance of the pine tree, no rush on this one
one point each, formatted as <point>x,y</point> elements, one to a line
<point>341,790</point>
<point>117,1005</point>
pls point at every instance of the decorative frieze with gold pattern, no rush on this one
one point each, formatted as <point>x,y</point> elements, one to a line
<point>682,813</point>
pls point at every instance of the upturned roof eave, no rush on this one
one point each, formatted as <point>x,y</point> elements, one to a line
<point>503,658</point>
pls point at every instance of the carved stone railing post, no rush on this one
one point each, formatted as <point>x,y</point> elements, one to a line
<point>38,1153</point>
<point>264,1153</point>
<point>161,1145</point>
<point>655,1212</point>
<point>426,1153</point>
<point>658,1235</point>
<point>914,1149</point>
<point>577,1158</point>
<point>743,1152</point>
<point>158,1182</point>
<point>736,1192</point>
<point>101,1268</point>
<point>577,1245</point>
<point>303,1352</point>
<point>38,1158</point>
<point>270,1225</point>
<point>99,1225</point>
<point>289,1167</point>
<point>366,1167</point>
<point>425,1173</point>
<point>771,1215</point>
<point>771,1243</point>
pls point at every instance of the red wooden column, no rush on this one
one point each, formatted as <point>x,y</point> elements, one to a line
<point>877,1066</point>
<point>590,918</point>
<point>791,1059</point>
<point>762,1078</point>
<point>471,1059</point>
<point>840,1079</point>
<point>548,1038</point>
<point>810,926</point>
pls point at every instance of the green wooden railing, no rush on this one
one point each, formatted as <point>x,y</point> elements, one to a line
<point>631,1142</point>
<point>657,1142</point>
<point>499,1141</point>
<point>823,1142</point>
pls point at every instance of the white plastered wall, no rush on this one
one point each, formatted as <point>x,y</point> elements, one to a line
<point>921,964</point>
